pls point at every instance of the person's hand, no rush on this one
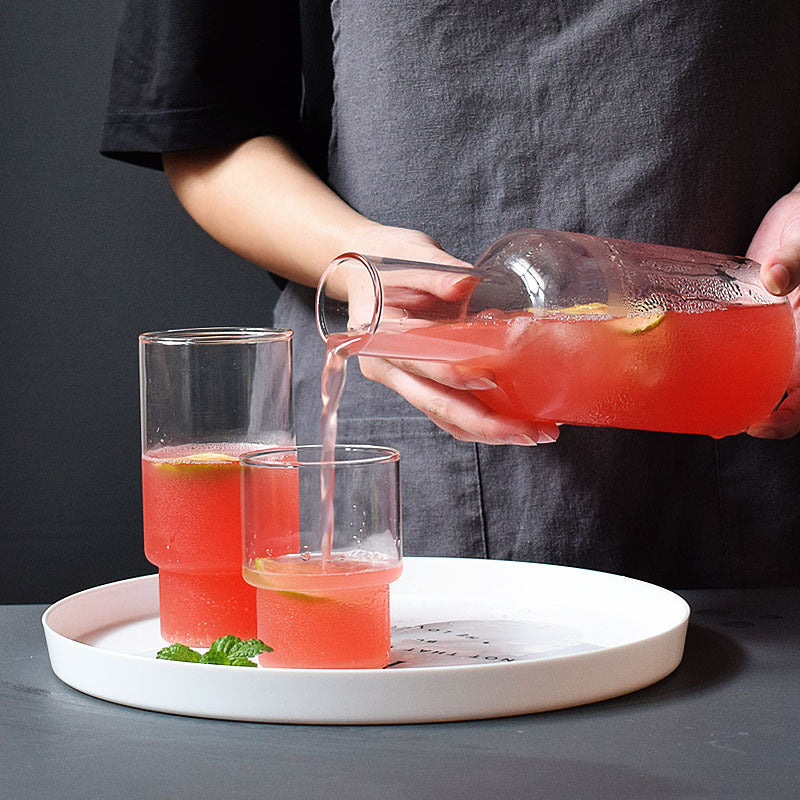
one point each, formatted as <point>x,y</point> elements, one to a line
<point>444,392</point>
<point>776,245</point>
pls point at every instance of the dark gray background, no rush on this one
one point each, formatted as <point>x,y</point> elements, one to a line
<point>93,253</point>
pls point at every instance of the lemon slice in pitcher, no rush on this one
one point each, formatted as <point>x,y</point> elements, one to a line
<point>581,309</point>
<point>637,323</point>
<point>640,323</point>
<point>585,308</point>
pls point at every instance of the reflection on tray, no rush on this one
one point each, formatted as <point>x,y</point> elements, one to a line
<point>474,641</point>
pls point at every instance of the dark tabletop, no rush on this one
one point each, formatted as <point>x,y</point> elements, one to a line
<point>725,724</point>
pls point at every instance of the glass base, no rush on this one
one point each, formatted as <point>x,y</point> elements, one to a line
<point>332,629</point>
<point>197,608</point>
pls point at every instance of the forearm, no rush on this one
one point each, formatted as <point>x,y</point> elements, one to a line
<point>259,199</point>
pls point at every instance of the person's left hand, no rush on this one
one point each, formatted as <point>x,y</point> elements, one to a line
<point>776,245</point>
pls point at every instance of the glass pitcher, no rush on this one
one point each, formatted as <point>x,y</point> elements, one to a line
<point>579,329</point>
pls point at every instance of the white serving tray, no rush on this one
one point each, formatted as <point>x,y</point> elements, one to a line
<point>471,639</point>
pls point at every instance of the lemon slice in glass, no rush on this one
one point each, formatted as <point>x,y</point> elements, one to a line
<point>193,464</point>
<point>208,457</point>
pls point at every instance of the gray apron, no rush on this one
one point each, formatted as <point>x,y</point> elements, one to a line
<point>672,122</point>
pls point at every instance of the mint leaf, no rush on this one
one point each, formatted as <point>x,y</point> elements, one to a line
<point>248,649</point>
<point>227,651</point>
<point>242,661</point>
<point>224,645</point>
<point>178,652</point>
<point>215,657</point>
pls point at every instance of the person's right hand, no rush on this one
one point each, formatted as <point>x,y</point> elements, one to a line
<point>776,245</point>
<point>443,392</point>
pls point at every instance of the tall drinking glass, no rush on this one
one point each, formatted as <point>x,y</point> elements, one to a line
<point>207,395</point>
<point>322,543</point>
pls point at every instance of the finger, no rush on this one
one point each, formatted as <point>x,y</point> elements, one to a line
<point>458,412</point>
<point>782,423</point>
<point>436,292</point>
<point>455,376</point>
<point>780,271</point>
<point>542,436</point>
<point>776,245</point>
<point>447,282</point>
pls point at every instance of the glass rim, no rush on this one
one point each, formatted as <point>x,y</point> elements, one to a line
<point>377,290</point>
<point>216,335</point>
<point>379,454</point>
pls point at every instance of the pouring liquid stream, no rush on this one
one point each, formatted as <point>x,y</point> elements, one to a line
<point>334,373</point>
<point>340,347</point>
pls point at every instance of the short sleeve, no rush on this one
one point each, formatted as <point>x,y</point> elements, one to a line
<point>189,74</point>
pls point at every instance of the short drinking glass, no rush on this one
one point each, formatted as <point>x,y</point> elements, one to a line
<point>322,543</point>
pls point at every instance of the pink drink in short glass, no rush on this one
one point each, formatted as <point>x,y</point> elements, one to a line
<point>322,595</point>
